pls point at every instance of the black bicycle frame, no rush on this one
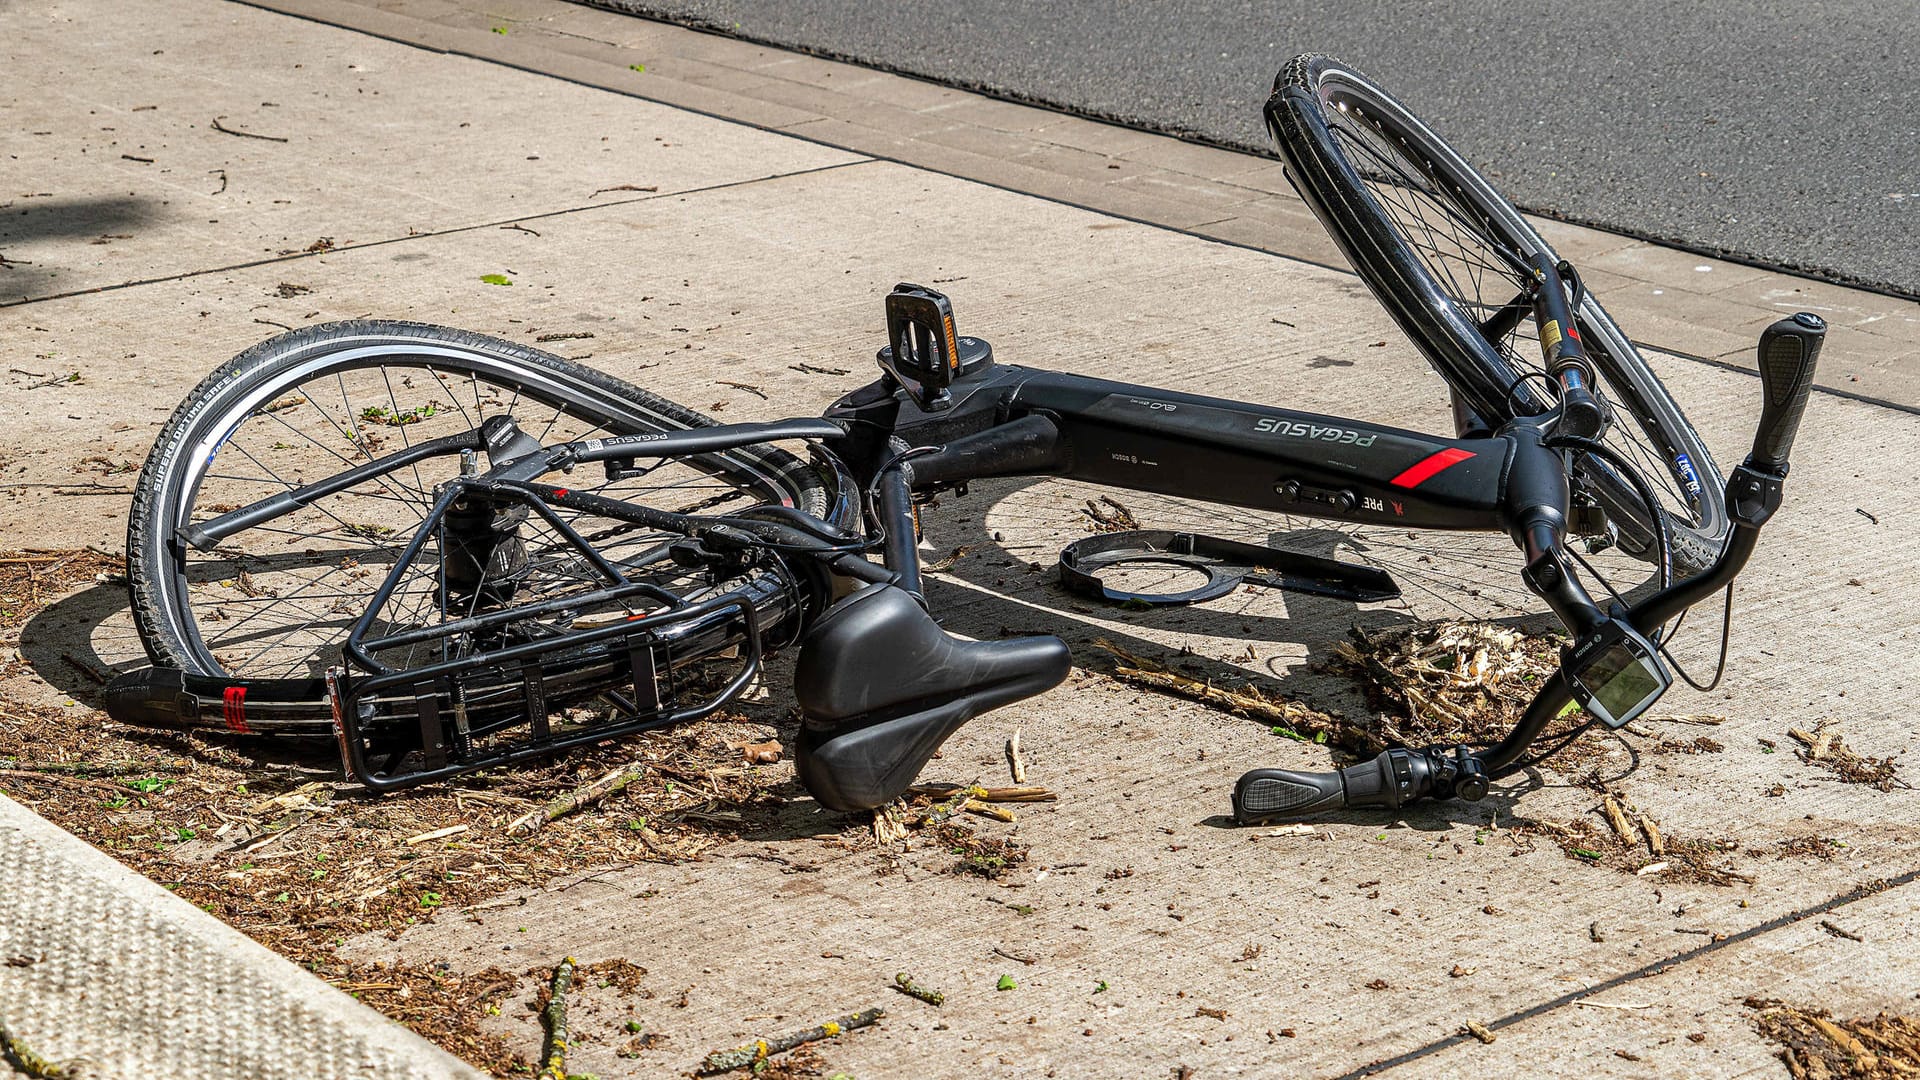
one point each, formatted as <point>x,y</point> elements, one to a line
<point>1012,421</point>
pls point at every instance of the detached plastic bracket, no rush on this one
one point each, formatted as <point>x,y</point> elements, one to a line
<point>1227,564</point>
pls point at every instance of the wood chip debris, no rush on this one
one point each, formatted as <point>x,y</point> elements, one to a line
<point>1478,1030</point>
<point>437,834</point>
<point>1109,515</point>
<point>762,753</point>
<point>1824,746</point>
<point>1445,682</point>
<point>1815,1046</point>
<point>1295,830</point>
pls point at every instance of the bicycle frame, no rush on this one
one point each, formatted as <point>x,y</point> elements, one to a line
<point>1003,421</point>
<point>893,441</point>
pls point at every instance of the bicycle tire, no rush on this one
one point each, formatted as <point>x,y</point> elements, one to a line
<point>1324,114</point>
<point>173,616</point>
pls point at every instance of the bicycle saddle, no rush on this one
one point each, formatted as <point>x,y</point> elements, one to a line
<point>881,686</point>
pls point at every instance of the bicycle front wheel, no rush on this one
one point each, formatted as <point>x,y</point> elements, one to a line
<point>277,600</point>
<point>1445,254</point>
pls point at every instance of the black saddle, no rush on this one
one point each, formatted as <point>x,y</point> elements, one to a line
<point>881,686</point>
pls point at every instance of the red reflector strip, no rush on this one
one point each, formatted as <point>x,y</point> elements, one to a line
<point>559,493</point>
<point>235,702</point>
<point>1427,468</point>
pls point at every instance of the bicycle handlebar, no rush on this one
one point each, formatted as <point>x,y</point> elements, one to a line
<point>1789,349</point>
<point>1788,352</point>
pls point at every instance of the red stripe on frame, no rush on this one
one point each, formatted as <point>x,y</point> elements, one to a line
<point>235,700</point>
<point>1427,468</point>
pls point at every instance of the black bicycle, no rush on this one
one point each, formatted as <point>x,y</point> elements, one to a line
<point>355,529</point>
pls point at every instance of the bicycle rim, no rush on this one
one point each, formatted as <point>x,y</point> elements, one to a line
<point>276,601</point>
<point>1467,247</point>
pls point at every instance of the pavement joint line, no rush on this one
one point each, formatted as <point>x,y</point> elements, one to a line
<point>1658,967</point>
<point>454,231</point>
<point>1742,369</point>
<point>342,17</point>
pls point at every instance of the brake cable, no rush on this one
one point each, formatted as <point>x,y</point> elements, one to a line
<point>873,488</point>
<point>1659,518</point>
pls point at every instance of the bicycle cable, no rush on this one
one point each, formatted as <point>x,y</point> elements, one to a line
<point>1662,539</point>
<point>1534,759</point>
<point>1511,403</point>
<point>1720,665</point>
<point>873,488</point>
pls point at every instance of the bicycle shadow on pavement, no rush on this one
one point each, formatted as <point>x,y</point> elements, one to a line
<point>973,596</point>
<point>59,642</point>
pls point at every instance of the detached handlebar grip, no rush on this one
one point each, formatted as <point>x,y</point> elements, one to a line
<point>1265,793</point>
<point>1788,351</point>
<point>1393,779</point>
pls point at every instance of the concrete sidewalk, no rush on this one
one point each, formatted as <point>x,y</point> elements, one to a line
<point>699,248</point>
<point>106,966</point>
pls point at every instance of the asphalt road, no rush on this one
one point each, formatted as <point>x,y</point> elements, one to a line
<point>1786,135</point>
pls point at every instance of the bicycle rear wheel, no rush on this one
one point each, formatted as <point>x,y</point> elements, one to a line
<point>1442,251</point>
<point>273,604</point>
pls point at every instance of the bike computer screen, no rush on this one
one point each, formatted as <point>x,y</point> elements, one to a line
<point>1616,675</point>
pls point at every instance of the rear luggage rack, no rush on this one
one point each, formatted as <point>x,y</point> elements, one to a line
<point>403,725</point>
<point>495,708</point>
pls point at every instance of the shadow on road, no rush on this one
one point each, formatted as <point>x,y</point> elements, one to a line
<point>34,222</point>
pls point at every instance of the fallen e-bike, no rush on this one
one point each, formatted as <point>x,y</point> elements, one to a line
<point>451,552</point>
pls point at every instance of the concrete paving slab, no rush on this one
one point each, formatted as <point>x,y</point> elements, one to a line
<point>359,142</point>
<point>1132,883</point>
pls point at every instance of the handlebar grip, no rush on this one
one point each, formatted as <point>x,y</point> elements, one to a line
<point>1394,778</point>
<point>1265,793</point>
<point>1788,351</point>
